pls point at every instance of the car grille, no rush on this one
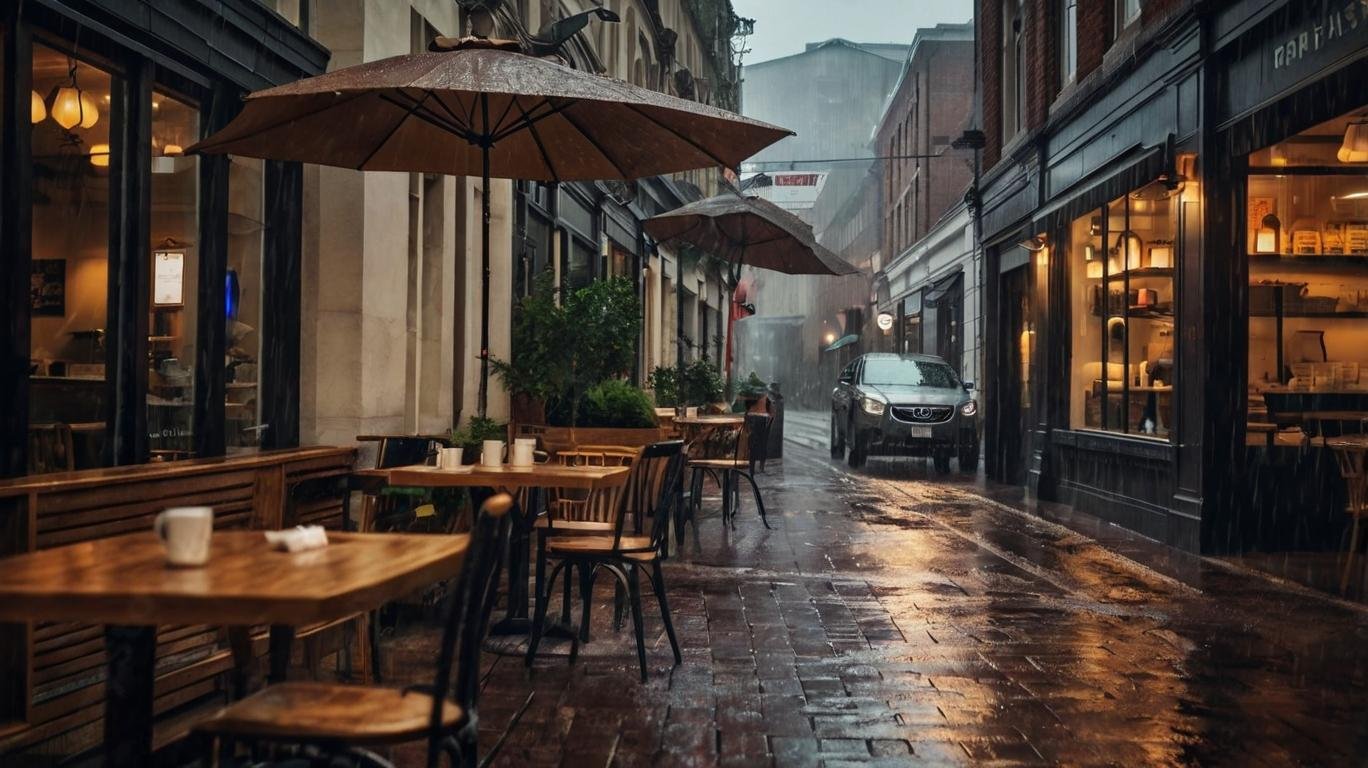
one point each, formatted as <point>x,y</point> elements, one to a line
<point>923,414</point>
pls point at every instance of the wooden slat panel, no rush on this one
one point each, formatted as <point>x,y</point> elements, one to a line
<point>67,528</point>
<point>87,498</point>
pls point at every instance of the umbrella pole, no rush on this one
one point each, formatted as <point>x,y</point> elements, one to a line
<point>482,405</point>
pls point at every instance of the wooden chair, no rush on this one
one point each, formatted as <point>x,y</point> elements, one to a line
<point>1353,467</point>
<point>657,473</point>
<point>50,449</point>
<point>353,718</point>
<point>750,453</point>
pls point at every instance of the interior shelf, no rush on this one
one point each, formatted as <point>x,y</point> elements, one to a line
<point>1143,272</point>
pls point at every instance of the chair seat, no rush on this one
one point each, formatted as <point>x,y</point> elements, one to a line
<point>601,545</point>
<point>311,712</point>
<point>719,464</point>
<point>573,526</point>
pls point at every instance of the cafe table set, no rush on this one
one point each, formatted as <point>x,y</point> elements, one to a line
<point>185,572</point>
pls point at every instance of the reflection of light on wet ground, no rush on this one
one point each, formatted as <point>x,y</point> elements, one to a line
<point>892,614</point>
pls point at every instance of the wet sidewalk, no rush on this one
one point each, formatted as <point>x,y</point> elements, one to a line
<point>896,618</point>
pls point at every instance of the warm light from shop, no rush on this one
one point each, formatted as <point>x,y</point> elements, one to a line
<point>1266,238</point>
<point>99,155</point>
<point>829,338</point>
<point>173,150</point>
<point>1095,270</point>
<point>1354,149</point>
<point>72,107</point>
<point>38,110</point>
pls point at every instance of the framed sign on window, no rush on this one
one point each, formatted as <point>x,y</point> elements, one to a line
<point>168,278</point>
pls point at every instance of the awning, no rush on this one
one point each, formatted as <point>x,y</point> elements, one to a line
<point>1114,180</point>
<point>844,341</point>
<point>933,295</point>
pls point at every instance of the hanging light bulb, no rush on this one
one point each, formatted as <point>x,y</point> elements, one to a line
<point>173,150</point>
<point>38,110</point>
<point>99,155</point>
<point>66,107</point>
<point>1354,149</point>
<point>90,111</point>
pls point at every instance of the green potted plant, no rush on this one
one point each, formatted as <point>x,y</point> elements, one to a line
<point>471,437</point>
<point>750,391</point>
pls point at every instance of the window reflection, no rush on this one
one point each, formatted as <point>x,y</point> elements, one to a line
<point>69,284</point>
<point>242,297</point>
<point>171,342</point>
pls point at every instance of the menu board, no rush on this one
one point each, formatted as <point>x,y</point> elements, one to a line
<point>168,278</point>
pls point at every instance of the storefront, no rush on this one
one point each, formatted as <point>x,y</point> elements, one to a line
<point>154,297</point>
<point>1288,222</point>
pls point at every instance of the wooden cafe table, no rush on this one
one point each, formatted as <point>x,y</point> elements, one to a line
<point>536,479</point>
<point>124,583</point>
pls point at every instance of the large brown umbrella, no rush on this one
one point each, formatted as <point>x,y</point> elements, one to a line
<point>481,107</point>
<point>748,230</point>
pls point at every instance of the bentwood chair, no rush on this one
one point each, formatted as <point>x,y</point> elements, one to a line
<point>350,720</point>
<point>755,444</point>
<point>656,472</point>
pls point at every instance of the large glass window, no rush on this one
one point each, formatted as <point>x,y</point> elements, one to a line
<point>1068,41</point>
<point>1307,242</point>
<point>174,302</point>
<point>1121,262</point>
<point>70,276</point>
<point>242,304</point>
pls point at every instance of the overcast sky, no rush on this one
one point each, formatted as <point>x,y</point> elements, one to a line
<point>783,27</point>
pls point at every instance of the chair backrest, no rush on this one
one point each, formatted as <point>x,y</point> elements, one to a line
<point>468,620</point>
<point>403,450</point>
<point>653,488</point>
<point>50,448</point>
<point>757,438</point>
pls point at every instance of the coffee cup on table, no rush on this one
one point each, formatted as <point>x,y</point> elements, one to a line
<point>521,455</point>
<point>449,458</point>
<point>492,453</point>
<point>185,531</point>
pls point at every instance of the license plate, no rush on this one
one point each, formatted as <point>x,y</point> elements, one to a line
<point>922,432</point>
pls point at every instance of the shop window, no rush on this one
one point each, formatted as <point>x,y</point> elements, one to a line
<point>70,277</point>
<point>242,305</point>
<point>1013,68</point>
<point>1124,13</point>
<point>580,258</point>
<point>1068,41</point>
<point>1306,236</point>
<point>1122,261</point>
<point>175,285</point>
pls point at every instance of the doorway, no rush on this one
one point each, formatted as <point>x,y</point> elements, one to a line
<point>1017,349</point>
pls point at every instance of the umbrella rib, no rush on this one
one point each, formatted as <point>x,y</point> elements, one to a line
<point>679,135</point>
<point>432,118</point>
<point>455,118</point>
<point>597,148</point>
<point>536,137</point>
<point>283,121</point>
<point>404,119</point>
<point>530,119</point>
<point>497,123</point>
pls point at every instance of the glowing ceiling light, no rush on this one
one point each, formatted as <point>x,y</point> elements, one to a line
<point>99,155</point>
<point>38,110</point>
<point>1354,149</point>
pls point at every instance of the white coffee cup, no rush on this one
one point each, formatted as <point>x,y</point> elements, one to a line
<point>186,532</point>
<point>449,458</point>
<point>691,412</point>
<point>492,453</point>
<point>521,454</point>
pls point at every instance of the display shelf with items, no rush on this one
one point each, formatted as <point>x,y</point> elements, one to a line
<point>1307,247</point>
<point>1124,266</point>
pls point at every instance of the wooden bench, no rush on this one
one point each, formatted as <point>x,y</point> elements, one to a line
<point>52,674</point>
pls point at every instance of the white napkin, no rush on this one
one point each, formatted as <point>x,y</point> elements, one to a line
<point>298,539</point>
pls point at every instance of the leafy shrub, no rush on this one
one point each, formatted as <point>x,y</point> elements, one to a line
<point>615,403</point>
<point>477,431</point>
<point>700,384</point>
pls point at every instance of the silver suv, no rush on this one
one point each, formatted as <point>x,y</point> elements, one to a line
<point>904,405</point>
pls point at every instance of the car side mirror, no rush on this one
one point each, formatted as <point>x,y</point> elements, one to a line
<point>968,386</point>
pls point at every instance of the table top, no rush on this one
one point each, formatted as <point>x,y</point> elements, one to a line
<point>506,477</point>
<point>125,579</point>
<point>1348,442</point>
<point>712,420</point>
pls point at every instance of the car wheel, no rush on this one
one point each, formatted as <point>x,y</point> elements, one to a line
<point>942,462</point>
<point>969,459</point>
<point>855,452</point>
<point>837,440</point>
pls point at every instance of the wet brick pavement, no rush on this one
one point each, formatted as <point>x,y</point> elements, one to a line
<point>896,618</point>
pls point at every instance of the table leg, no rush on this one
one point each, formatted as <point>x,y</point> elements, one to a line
<point>240,641</point>
<point>282,640</point>
<point>131,654</point>
<point>516,620</point>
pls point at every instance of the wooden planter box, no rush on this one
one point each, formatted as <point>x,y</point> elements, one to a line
<point>563,438</point>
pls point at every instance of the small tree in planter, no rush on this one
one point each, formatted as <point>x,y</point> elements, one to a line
<point>700,383</point>
<point>750,390</point>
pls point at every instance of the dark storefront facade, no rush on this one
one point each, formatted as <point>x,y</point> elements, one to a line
<point>1178,273</point>
<point>153,298</point>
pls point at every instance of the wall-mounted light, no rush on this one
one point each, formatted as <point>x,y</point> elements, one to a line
<point>1354,149</point>
<point>1033,244</point>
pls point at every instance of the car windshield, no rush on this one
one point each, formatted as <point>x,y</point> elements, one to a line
<point>910,373</point>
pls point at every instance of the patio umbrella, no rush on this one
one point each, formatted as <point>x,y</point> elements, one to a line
<point>748,230</point>
<point>481,107</point>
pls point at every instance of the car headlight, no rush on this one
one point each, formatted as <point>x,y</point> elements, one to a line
<point>873,407</point>
<point>969,409</point>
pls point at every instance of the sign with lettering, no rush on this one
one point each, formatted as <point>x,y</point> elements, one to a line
<point>794,179</point>
<point>168,278</point>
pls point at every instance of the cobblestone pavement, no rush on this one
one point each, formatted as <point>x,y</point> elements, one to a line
<point>896,618</point>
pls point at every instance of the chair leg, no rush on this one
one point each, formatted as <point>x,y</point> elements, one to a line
<point>619,603</point>
<point>1349,560</point>
<point>726,499</point>
<point>586,584</point>
<point>373,640</point>
<point>539,612</point>
<point>658,583</point>
<point>634,595</point>
<point>759,502</point>
<point>566,599</point>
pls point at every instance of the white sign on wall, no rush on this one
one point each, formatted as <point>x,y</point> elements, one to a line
<point>885,321</point>
<point>168,278</point>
